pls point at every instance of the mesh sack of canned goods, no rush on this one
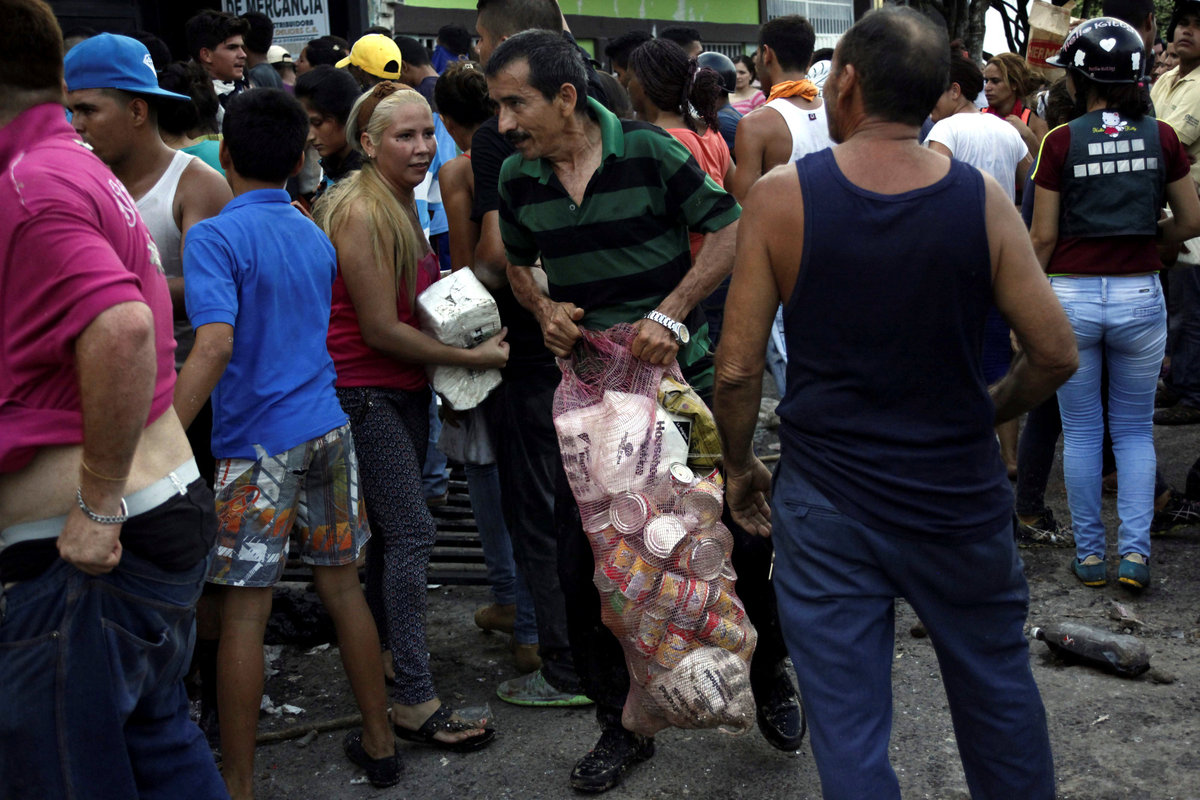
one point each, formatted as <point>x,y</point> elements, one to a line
<point>650,501</point>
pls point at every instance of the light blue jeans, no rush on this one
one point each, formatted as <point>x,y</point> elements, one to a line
<point>777,352</point>
<point>1121,320</point>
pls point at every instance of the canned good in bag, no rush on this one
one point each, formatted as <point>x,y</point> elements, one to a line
<point>722,632</point>
<point>677,643</point>
<point>629,512</point>
<point>650,635</point>
<point>615,614</point>
<point>702,503</point>
<point>662,534</point>
<point>682,477</point>
<point>640,582</point>
<point>595,521</point>
<point>724,604</point>
<point>682,597</point>
<point>703,558</point>
<point>604,539</point>
<point>620,560</point>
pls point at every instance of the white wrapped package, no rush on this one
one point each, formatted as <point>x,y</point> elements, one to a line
<point>460,312</point>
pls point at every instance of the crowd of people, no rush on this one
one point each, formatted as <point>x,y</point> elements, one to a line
<point>213,360</point>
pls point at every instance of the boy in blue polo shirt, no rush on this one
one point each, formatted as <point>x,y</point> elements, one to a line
<point>259,283</point>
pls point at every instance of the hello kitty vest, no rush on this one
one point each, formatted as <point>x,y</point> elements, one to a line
<point>1114,177</point>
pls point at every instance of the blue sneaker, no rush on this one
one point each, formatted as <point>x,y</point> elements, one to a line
<point>1134,572</point>
<point>1092,571</point>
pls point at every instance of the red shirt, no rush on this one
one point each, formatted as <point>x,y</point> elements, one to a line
<point>360,365</point>
<point>712,154</point>
<point>1104,255</point>
<point>74,246</point>
<point>1018,110</point>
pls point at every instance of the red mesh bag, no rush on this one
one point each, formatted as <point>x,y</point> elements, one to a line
<point>662,555</point>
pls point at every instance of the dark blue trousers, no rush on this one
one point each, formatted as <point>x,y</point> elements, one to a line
<point>836,582</point>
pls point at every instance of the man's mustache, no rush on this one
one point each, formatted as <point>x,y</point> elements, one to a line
<point>516,137</point>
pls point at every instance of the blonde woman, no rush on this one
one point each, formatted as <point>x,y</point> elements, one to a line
<point>384,262</point>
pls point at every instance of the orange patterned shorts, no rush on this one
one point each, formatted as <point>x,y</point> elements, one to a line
<point>311,492</point>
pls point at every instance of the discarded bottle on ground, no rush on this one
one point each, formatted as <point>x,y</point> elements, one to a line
<point>1118,653</point>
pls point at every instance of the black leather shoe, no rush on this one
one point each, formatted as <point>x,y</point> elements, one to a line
<point>617,751</point>
<point>780,715</point>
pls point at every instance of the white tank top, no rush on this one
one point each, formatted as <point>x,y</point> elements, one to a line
<point>157,209</point>
<point>810,132</point>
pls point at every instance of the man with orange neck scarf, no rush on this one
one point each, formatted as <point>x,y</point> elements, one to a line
<point>792,123</point>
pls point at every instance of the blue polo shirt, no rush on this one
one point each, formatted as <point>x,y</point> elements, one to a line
<point>264,268</point>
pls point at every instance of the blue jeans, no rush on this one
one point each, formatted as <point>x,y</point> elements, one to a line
<point>836,580</point>
<point>1121,321</point>
<point>507,581</point>
<point>93,704</point>
<point>777,352</point>
<point>435,480</point>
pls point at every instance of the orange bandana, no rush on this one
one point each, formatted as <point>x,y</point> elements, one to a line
<point>804,88</point>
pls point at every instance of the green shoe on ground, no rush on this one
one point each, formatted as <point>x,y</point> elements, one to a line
<point>1092,571</point>
<point>1134,572</point>
<point>534,690</point>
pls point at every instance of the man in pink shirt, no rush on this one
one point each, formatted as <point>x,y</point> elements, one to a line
<point>105,525</point>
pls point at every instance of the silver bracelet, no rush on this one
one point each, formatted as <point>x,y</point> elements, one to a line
<point>101,519</point>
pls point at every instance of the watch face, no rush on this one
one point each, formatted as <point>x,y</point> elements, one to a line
<point>682,334</point>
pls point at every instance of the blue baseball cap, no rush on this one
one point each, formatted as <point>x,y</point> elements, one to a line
<point>109,61</point>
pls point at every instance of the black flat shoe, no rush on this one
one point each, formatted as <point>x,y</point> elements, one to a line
<point>604,766</point>
<point>780,715</point>
<point>381,772</point>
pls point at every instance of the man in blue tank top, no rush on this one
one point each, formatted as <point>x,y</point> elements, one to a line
<point>891,482</point>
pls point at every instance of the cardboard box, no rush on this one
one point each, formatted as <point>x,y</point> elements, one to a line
<point>1048,29</point>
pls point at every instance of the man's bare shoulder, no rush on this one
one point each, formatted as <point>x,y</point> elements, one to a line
<point>774,196</point>
<point>456,170</point>
<point>763,121</point>
<point>201,183</point>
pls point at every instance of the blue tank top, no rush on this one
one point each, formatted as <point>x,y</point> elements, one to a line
<point>887,412</point>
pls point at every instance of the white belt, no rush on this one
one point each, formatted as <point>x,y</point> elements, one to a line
<point>174,483</point>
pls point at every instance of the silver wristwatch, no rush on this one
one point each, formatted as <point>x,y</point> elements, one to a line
<point>677,329</point>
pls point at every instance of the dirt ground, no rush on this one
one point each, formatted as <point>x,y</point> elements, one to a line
<point>1113,738</point>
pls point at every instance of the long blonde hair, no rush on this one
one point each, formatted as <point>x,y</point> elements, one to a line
<point>394,238</point>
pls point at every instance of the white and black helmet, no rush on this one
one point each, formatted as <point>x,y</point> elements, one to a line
<point>1105,50</point>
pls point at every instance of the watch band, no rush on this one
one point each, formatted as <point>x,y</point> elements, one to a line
<point>101,519</point>
<point>666,322</point>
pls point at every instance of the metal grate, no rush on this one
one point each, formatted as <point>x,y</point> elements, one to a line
<point>731,49</point>
<point>829,18</point>
<point>457,554</point>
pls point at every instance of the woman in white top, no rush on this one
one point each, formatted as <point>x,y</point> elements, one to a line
<point>984,141</point>
<point>991,145</point>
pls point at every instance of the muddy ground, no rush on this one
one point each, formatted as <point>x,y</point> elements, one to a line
<point>1113,738</point>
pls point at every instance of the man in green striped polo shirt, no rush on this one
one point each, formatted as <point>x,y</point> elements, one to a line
<point>606,207</point>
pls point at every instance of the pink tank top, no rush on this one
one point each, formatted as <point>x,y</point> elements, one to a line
<point>361,365</point>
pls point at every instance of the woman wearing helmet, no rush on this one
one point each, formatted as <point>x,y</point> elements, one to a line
<point>1101,182</point>
<point>727,115</point>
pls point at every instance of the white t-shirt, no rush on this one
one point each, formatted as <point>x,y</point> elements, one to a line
<point>984,141</point>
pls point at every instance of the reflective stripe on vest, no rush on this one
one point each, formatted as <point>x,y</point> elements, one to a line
<point>1113,179</point>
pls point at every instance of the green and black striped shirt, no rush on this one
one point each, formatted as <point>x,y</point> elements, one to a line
<point>625,247</point>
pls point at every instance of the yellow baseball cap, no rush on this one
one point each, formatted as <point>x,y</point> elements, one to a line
<point>376,54</point>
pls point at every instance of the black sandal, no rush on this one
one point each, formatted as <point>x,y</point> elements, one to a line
<point>442,720</point>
